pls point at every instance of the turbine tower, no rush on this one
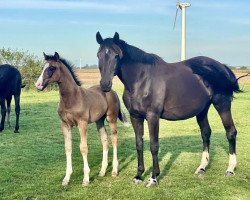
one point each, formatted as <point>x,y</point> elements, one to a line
<point>182,6</point>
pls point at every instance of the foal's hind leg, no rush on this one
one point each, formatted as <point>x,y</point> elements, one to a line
<point>114,137</point>
<point>224,110</point>
<point>205,134</point>
<point>105,146</point>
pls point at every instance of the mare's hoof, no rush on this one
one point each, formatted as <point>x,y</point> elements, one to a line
<point>85,183</point>
<point>136,181</point>
<point>16,131</point>
<point>151,182</point>
<point>229,173</point>
<point>200,171</point>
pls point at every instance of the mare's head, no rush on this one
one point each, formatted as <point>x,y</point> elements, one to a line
<point>109,55</point>
<point>50,72</point>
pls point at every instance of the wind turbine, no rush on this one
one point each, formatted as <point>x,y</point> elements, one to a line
<point>182,6</point>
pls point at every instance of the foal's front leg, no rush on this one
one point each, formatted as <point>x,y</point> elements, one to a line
<point>68,150</point>
<point>82,126</point>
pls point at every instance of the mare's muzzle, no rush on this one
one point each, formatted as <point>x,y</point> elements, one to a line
<point>105,85</point>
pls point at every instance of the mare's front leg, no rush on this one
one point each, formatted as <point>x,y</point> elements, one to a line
<point>153,126</point>
<point>68,151</point>
<point>137,124</point>
<point>82,126</point>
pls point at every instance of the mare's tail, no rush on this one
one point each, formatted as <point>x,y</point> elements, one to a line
<point>219,76</point>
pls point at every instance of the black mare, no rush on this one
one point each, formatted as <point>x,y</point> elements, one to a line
<point>155,89</point>
<point>10,84</point>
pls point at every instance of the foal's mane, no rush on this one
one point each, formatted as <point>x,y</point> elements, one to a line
<point>69,66</point>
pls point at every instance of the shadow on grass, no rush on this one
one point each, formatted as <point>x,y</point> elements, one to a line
<point>173,146</point>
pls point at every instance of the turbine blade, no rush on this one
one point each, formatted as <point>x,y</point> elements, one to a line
<point>175,16</point>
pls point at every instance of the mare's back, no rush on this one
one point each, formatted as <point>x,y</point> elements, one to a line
<point>10,80</point>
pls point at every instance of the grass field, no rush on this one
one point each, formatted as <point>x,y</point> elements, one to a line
<point>32,163</point>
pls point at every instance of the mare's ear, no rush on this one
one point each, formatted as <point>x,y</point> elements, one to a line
<point>45,56</point>
<point>99,38</point>
<point>116,38</point>
<point>56,56</point>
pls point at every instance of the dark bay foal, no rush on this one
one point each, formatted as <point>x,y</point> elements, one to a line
<point>79,107</point>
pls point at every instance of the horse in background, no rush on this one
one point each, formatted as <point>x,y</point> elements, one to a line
<point>155,89</point>
<point>10,84</point>
<point>79,106</point>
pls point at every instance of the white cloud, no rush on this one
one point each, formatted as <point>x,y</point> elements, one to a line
<point>128,6</point>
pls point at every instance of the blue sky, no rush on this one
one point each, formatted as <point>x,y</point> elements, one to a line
<point>215,28</point>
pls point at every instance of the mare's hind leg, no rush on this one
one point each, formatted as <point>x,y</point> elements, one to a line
<point>3,112</point>
<point>223,106</point>
<point>17,110</point>
<point>8,110</point>
<point>105,146</point>
<point>205,134</point>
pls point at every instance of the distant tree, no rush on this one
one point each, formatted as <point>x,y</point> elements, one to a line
<point>28,64</point>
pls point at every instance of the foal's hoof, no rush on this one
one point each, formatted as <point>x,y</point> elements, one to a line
<point>65,183</point>
<point>136,181</point>
<point>200,171</point>
<point>101,174</point>
<point>85,183</point>
<point>16,131</point>
<point>151,182</point>
<point>114,173</point>
<point>229,173</point>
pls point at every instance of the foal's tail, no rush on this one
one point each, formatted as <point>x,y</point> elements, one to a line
<point>121,115</point>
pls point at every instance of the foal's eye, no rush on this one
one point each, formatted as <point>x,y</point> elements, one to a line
<point>52,68</point>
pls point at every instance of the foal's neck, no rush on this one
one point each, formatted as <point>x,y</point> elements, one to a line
<point>67,85</point>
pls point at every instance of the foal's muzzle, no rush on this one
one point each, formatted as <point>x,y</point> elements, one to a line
<point>106,85</point>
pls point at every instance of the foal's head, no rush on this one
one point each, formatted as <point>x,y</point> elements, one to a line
<point>109,55</point>
<point>51,71</point>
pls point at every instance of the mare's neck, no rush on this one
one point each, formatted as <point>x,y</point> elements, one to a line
<point>132,72</point>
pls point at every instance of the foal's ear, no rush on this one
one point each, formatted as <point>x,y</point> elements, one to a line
<point>56,56</point>
<point>45,56</point>
<point>99,38</point>
<point>116,38</point>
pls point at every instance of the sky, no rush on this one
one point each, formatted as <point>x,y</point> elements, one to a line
<point>219,29</point>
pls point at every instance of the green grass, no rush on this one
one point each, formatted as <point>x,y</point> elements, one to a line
<point>32,163</point>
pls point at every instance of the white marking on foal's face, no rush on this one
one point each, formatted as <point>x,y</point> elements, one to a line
<point>106,51</point>
<point>39,82</point>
